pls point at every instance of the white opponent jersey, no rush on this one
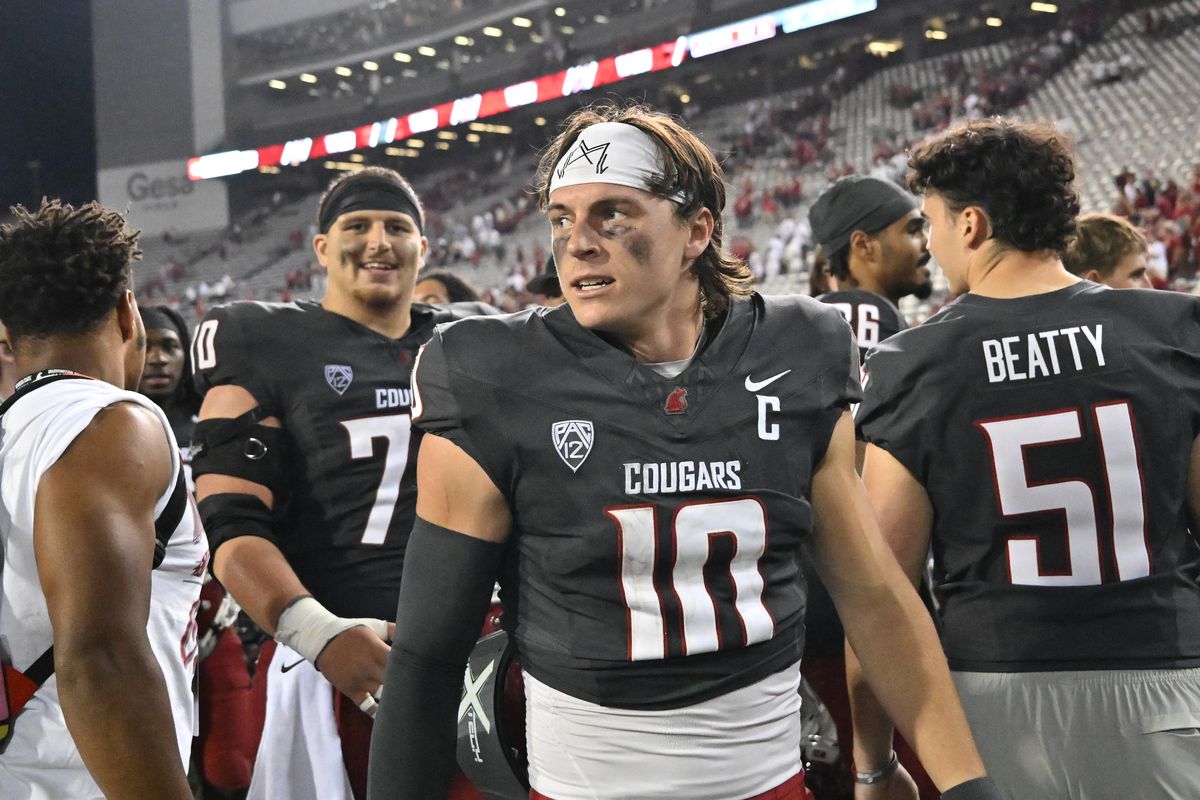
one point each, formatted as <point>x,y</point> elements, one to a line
<point>37,426</point>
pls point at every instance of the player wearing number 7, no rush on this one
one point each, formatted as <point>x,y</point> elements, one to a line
<point>652,457</point>
<point>305,481</point>
<point>1042,430</point>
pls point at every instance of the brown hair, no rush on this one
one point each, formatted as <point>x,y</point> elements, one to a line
<point>1101,241</point>
<point>1021,174</point>
<point>62,268</point>
<point>689,167</point>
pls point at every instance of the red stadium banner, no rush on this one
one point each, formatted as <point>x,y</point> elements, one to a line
<point>574,80</point>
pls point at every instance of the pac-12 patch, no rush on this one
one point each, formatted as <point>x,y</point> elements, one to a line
<point>573,440</point>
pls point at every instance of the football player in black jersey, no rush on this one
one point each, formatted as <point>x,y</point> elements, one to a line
<point>304,468</point>
<point>654,454</point>
<point>1042,431</point>
<point>875,238</point>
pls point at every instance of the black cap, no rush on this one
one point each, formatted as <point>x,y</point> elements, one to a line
<point>545,282</point>
<point>856,203</point>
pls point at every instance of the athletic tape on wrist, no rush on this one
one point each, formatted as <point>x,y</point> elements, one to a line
<point>308,627</point>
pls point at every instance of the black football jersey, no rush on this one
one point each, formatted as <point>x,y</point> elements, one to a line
<point>872,317</point>
<point>657,523</point>
<point>342,392</point>
<point>1053,435</point>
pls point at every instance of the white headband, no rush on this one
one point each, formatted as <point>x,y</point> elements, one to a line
<point>611,152</point>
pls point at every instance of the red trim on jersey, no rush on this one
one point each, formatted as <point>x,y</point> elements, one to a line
<point>1112,513</point>
<point>621,584</point>
<point>733,585</point>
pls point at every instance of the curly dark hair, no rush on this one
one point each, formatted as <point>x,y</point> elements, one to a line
<point>62,268</point>
<point>1020,173</point>
<point>690,168</point>
<point>457,289</point>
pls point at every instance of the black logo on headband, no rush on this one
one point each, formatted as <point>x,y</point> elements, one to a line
<point>582,151</point>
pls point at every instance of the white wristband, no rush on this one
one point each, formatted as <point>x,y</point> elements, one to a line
<point>306,626</point>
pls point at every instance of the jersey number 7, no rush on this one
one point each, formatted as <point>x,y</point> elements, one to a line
<point>395,430</point>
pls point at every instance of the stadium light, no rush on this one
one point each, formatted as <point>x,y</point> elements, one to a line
<point>540,121</point>
<point>600,19</point>
<point>994,22</point>
<point>560,12</point>
<point>474,138</point>
<point>567,30</point>
<point>464,41</point>
<point>492,31</point>
<point>308,77</point>
<point>427,51</point>
<point>685,98</point>
<point>1045,8</point>
<point>345,72</point>
<point>884,47</point>
<point>418,143</point>
<point>403,58</point>
<point>935,34</point>
<point>370,66</point>
<point>442,145</point>
<point>358,158</point>
<point>484,127</point>
<point>275,83</point>
<point>522,22</point>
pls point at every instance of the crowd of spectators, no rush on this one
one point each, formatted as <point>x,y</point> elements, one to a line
<point>355,29</point>
<point>766,205</point>
<point>1165,209</point>
<point>1168,212</point>
<point>382,23</point>
<point>983,90</point>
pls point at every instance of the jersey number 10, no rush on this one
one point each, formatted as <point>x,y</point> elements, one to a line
<point>1074,499</point>
<point>693,529</point>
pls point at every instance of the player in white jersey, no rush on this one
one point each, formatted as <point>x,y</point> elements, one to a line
<point>103,550</point>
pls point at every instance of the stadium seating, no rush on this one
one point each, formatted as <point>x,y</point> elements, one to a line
<point>1146,120</point>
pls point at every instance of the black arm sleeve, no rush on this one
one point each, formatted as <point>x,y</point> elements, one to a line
<point>977,789</point>
<point>444,594</point>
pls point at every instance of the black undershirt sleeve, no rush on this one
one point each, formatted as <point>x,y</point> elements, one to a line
<point>445,592</point>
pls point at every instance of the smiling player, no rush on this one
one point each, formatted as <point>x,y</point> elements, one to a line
<point>305,477</point>
<point>652,456</point>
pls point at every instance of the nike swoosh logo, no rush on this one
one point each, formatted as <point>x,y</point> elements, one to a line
<point>756,386</point>
<point>287,667</point>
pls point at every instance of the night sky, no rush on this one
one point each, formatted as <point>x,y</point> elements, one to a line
<point>46,102</point>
